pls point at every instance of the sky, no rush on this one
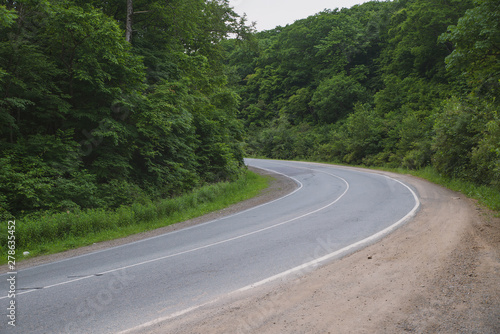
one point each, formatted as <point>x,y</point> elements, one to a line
<point>271,13</point>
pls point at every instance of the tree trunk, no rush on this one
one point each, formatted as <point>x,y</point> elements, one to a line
<point>128,28</point>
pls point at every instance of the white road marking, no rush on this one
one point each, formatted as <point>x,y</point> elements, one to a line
<point>314,263</point>
<point>205,246</point>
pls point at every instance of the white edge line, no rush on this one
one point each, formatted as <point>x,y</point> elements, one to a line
<point>346,249</point>
<point>180,253</point>
<point>202,247</point>
<point>358,244</point>
<point>314,263</point>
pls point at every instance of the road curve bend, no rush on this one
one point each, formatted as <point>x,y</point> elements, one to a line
<point>333,212</point>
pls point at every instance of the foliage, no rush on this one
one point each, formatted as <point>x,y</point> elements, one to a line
<point>335,97</point>
<point>360,135</point>
<point>89,120</point>
<point>454,139</point>
<point>7,17</point>
<point>406,83</point>
<point>48,233</point>
<point>467,142</point>
<point>486,195</point>
<point>476,41</point>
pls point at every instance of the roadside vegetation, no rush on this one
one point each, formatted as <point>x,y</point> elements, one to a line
<point>410,84</point>
<point>485,195</point>
<point>97,115</point>
<point>51,233</point>
<point>111,110</point>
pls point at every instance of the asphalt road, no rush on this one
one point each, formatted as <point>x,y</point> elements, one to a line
<point>334,211</point>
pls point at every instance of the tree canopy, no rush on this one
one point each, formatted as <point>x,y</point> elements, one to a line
<point>395,83</point>
<point>89,119</point>
<point>104,103</point>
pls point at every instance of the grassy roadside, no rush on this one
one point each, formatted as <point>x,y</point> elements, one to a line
<point>63,231</point>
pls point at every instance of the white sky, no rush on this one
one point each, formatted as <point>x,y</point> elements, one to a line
<point>272,13</point>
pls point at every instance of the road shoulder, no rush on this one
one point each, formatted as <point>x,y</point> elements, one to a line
<point>437,273</point>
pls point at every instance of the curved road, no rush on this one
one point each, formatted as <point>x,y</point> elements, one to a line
<point>332,212</point>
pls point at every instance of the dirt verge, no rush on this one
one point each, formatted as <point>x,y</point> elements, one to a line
<point>440,273</point>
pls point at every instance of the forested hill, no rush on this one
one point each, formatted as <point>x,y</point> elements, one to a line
<point>409,83</point>
<point>103,103</point>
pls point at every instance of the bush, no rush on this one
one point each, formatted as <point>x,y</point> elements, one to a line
<point>362,135</point>
<point>485,157</point>
<point>454,139</point>
<point>336,97</point>
<point>467,141</point>
<point>78,227</point>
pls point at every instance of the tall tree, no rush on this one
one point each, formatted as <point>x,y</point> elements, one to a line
<point>476,47</point>
<point>128,24</point>
<point>84,112</point>
<point>413,38</point>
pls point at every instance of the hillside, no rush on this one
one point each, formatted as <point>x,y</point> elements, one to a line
<point>405,83</point>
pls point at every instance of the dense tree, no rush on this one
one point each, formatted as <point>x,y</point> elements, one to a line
<point>89,119</point>
<point>413,46</point>
<point>335,97</point>
<point>476,47</point>
<point>399,83</point>
<point>101,105</point>
<point>472,124</point>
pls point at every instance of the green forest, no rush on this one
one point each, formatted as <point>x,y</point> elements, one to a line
<point>408,83</point>
<point>106,103</point>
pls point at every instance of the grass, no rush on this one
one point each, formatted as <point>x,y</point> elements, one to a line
<point>59,232</point>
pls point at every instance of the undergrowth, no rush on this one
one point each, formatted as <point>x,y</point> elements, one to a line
<point>52,233</point>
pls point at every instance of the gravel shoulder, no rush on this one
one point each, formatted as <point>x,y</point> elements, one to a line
<point>439,273</point>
